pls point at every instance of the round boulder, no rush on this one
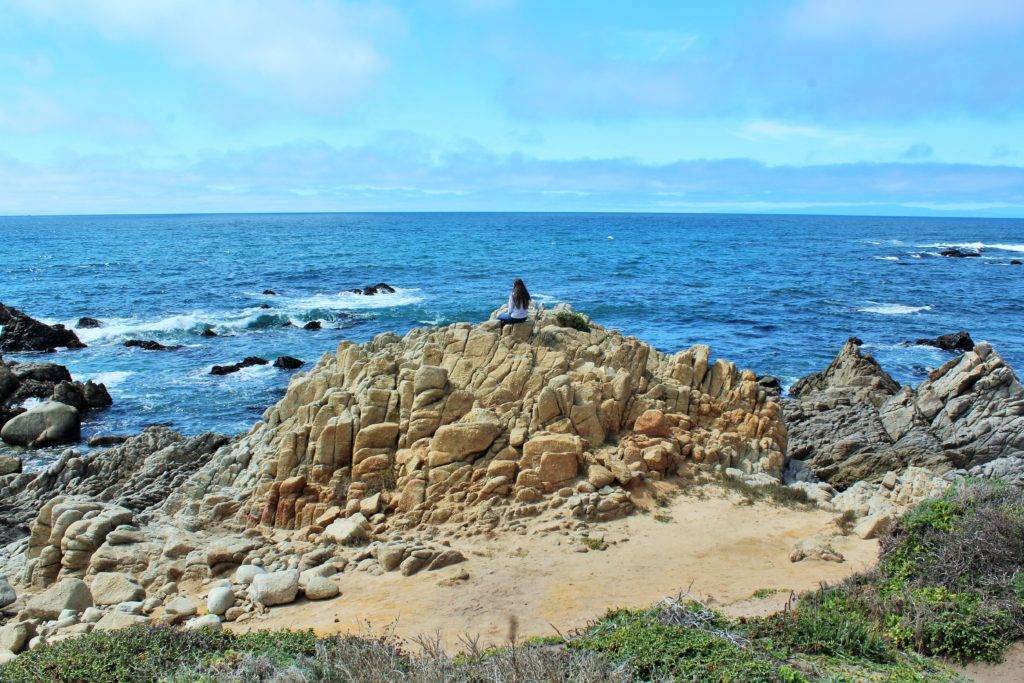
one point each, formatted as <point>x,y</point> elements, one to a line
<point>47,424</point>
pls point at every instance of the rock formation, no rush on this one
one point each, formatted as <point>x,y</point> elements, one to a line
<point>50,423</point>
<point>853,422</point>
<point>22,333</point>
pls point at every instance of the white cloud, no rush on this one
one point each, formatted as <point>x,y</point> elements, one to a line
<point>905,24</point>
<point>315,53</point>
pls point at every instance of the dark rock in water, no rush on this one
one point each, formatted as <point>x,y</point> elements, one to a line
<point>287,323</point>
<point>139,474</point>
<point>41,372</point>
<point>269,292</point>
<point>956,252</point>
<point>106,440</point>
<point>88,323</point>
<point>379,288</point>
<point>958,341</point>
<point>148,345</point>
<point>47,424</point>
<point>265,306</point>
<point>247,362</point>
<point>208,332</point>
<point>312,325</point>
<point>83,396</point>
<point>288,363</point>
<point>22,333</point>
<point>1016,262</point>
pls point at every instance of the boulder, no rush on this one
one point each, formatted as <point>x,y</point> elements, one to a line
<point>957,252</point>
<point>347,531</point>
<point>210,622</point>
<point>7,593</point>
<point>246,363</point>
<point>14,635</point>
<point>556,468</point>
<point>70,594</point>
<point>313,325</point>
<point>275,588</point>
<point>9,465</point>
<point>872,525</point>
<point>220,600</point>
<point>958,341</point>
<point>288,363</point>
<point>115,620</point>
<point>653,423</point>
<point>22,333</point>
<point>47,424</point>
<point>321,588</point>
<point>246,573</point>
<point>181,606</point>
<point>87,323</point>
<point>112,588</point>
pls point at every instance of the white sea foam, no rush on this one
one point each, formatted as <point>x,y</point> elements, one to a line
<point>975,246</point>
<point>296,310</point>
<point>110,379</point>
<point>350,301</point>
<point>887,258</point>
<point>892,309</point>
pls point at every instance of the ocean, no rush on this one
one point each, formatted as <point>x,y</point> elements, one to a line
<point>777,294</point>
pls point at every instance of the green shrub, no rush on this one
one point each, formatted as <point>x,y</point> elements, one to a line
<point>827,622</point>
<point>576,321</point>
<point>147,653</point>
<point>656,651</point>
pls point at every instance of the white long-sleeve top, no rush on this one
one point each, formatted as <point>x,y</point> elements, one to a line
<point>515,312</point>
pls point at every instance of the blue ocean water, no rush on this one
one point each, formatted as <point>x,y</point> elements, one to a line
<point>778,294</point>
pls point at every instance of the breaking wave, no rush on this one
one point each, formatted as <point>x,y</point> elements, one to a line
<point>892,309</point>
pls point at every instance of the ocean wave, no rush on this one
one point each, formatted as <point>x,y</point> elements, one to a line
<point>326,308</point>
<point>892,309</point>
<point>975,246</point>
<point>886,258</point>
<point>350,301</point>
<point>111,378</point>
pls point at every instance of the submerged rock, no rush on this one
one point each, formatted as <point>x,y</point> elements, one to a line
<point>246,363</point>
<point>313,325</point>
<point>957,252</point>
<point>88,323</point>
<point>958,341</point>
<point>288,363</point>
<point>148,345</point>
<point>22,333</point>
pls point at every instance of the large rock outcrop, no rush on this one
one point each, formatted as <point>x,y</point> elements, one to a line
<point>853,422</point>
<point>445,418</point>
<point>23,333</point>
<point>138,475</point>
<point>20,382</point>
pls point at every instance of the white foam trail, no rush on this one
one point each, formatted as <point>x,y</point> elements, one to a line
<point>31,402</point>
<point>296,310</point>
<point>892,309</point>
<point>975,246</point>
<point>887,258</point>
<point>110,379</point>
<point>350,301</point>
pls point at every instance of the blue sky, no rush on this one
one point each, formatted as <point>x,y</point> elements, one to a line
<point>817,106</point>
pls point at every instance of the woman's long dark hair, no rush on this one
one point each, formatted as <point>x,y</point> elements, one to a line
<point>520,296</point>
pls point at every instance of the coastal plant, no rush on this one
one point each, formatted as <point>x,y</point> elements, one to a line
<point>572,319</point>
<point>948,583</point>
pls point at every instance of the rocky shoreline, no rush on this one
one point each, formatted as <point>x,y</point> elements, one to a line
<point>384,455</point>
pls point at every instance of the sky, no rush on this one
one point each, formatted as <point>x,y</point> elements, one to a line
<point>905,107</point>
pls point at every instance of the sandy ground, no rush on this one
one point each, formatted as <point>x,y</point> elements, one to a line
<point>718,550</point>
<point>1011,670</point>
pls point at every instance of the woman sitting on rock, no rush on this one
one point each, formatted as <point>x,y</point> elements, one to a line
<point>518,305</point>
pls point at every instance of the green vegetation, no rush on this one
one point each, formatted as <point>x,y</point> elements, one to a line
<point>576,321</point>
<point>773,493</point>
<point>950,583</point>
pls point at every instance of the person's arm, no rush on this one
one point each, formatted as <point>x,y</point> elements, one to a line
<point>509,307</point>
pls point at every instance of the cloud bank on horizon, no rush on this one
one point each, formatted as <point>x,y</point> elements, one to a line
<point>820,106</point>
